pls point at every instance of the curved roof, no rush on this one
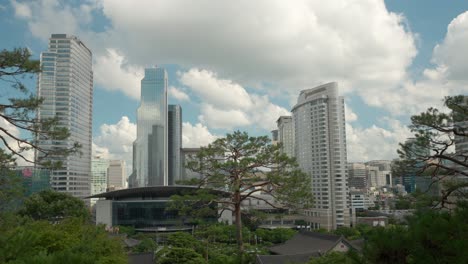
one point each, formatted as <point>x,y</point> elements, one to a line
<point>151,192</point>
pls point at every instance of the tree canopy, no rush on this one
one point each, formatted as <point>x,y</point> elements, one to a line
<point>51,205</point>
<point>431,152</point>
<point>250,168</point>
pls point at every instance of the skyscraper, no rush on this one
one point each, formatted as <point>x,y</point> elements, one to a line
<point>66,84</point>
<point>286,135</point>
<point>150,159</point>
<point>116,175</point>
<point>320,147</point>
<point>99,168</point>
<point>174,143</point>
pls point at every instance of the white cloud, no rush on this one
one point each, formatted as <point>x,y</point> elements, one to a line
<point>450,54</point>
<point>350,116</point>
<point>272,41</point>
<point>364,144</point>
<point>276,44</point>
<point>219,118</point>
<point>13,144</point>
<point>220,93</point>
<point>447,77</point>
<point>113,73</point>
<point>227,104</point>
<point>178,94</point>
<point>194,136</point>
<point>21,10</point>
<point>115,141</point>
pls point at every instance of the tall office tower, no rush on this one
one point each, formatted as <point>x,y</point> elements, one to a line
<point>319,125</point>
<point>150,147</point>
<point>384,174</point>
<point>286,135</point>
<point>174,143</point>
<point>66,84</point>
<point>274,137</point>
<point>357,176</point>
<point>116,175</point>
<point>99,168</point>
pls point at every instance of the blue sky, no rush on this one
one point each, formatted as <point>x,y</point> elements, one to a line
<point>241,64</point>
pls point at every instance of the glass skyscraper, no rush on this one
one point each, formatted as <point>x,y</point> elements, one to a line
<point>175,142</point>
<point>150,160</point>
<point>66,84</point>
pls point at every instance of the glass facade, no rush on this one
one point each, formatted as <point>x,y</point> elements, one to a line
<point>98,176</point>
<point>286,135</point>
<point>66,84</point>
<point>150,167</point>
<point>34,179</point>
<point>174,142</point>
<point>146,214</point>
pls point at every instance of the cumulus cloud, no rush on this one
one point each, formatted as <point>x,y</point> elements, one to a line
<point>290,46</point>
<point>449,55</point>
<point>178,94</point>
<point>21,10</point>
<point>13,144</point>
<point>447,77</point>
<point>194,136</point>
<point>375,142</point>
<point>115,141</point>
<point>350,116</point>
<point>113,73</point>
<point>227,104</point>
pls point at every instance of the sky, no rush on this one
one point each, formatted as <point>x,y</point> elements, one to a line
<point>239,65</point>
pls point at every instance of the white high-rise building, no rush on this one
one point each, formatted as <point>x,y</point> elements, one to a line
<point>66,84</point>
<point>116,175</point>
<point>320,147</point>
<point>150,155</point>
<point>286,135</point>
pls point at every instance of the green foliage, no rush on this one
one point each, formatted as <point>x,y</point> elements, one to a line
<point>333,258</point>
<point>194,207</point>
<point>177,255</point>
<point>402,203</point>
<point>20,112</point>
<point>182,240</point>
<point>429,153</point>
<point>246,166</point>
<point>430,237</point>
<point>348,232</point>
<point>219,233</point>
<point>129,230</point>
<point>28,241</point>
<point>275,236</point>
<point>51,205</point>
<point>11,189</point>
<point>146,245</point>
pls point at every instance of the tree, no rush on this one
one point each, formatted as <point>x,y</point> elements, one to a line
<point>431,236</point>
<point>69,241</point>
<point>333,258</point>
<point>430,152</point>
<point>178,255</point>
<point>20,113</point>
<point>51,205</point>
<point>250,168</point>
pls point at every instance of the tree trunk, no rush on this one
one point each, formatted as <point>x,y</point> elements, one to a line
<point>237,213</point>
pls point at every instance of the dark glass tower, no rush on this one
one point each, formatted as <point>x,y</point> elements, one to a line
<point>174,142</point>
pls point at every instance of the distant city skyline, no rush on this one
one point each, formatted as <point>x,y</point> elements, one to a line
<point>392,59</point>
